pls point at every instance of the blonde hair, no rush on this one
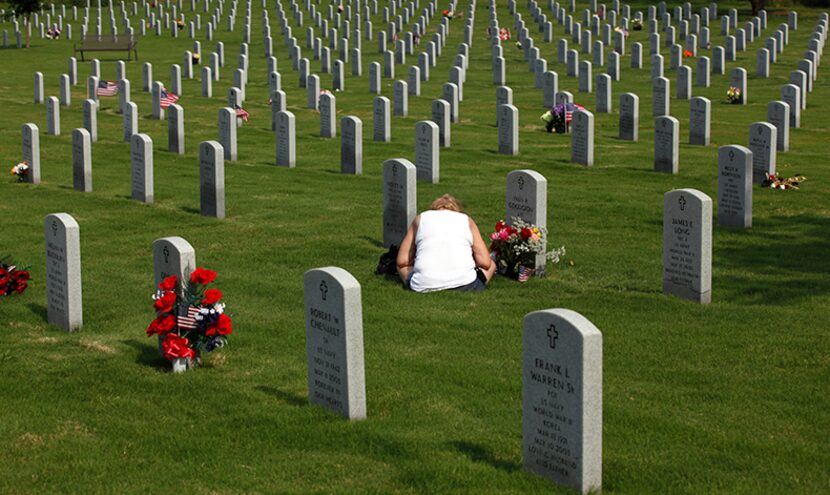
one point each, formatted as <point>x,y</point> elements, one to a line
<point>447,202</point>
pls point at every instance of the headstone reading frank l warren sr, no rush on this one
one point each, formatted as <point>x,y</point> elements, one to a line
<point>562,398</point>
<point>334,341</point>
<point>63,271</point>
<point>687,245</point>
<point>399,195</point>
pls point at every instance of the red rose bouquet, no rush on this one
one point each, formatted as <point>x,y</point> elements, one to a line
<point>514,248</point>
<point>192,322</point>
<point>13,278</point>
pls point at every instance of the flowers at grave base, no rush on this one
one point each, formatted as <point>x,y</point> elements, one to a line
<point>504,34</point>
<point>559,117</point>
<point>624,32</point>
<point>688,53</point>
<point>637,25</point>
<point>514,248</point>
<point>192,319</point>
<point>196,58</point>
<point>21,170</point>
<point>53,33</point>
<point>733,95</point>
<point>776,181</point>
<point>179,23</point>
<point>14,279</point>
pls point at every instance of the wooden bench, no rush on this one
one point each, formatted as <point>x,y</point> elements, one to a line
<point>93,45</point>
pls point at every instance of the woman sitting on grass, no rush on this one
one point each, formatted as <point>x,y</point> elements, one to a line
<point>443,249</point>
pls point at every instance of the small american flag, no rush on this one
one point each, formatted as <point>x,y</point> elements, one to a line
<point>167,99</point>
<point>188,322</point>
<point>525,272</point>
<point>242,114</point>
<point>107,88</point>
<point>569,111</point>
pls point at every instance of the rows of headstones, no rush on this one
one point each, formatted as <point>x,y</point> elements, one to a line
<point>557,376</point>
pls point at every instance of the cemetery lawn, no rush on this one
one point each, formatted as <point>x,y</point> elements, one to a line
<point>731,397</point>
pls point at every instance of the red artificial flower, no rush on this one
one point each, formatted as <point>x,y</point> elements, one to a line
<point>526,233</point>
<point>211,296</point>
<point>165,303</point>
<point>161,325</point>
<point>176,347</point>
<point>222,326</point>
<point>21,276</point>
<point>688,53</point>
<point>20,288</point>
<point>500,225</point>
<point>168,283</point>
<point>202,276</point>
<point>5,278</point>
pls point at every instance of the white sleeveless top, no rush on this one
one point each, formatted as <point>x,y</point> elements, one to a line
<point>443,252</point>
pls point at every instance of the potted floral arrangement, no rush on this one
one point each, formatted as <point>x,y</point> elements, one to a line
<point>13,278</point>
<point>733,95</point>
<point>514,248</point>
<point>21,170</point>
<point>637,24</point>
<point>189,323</point>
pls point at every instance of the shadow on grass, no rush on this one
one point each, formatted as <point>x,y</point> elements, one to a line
<point>190,209</point>
<point>148,355</point>
<point>289,398</point>
<point>40,310</point>
<point>785,258</point>
<point>477,453</point>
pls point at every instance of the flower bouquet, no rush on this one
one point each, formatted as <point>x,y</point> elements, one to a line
<point>637,24</point>
<point>624,32</point>
<point>13,278</point>
<point>774,181</point>
<point>196,58</point>
<point>733,95</point>
<point>514,248</point>
<point>688,53</point>
<point>179,24</point>
<point>21,170</point>
<point>190,323</point>
<point>558,118</point>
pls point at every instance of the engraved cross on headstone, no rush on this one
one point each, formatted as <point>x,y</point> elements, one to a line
<point>682,203</point>
<point>553,334</point>
<point>54,227</point>
<point>521,182</point>
<point>323,289</point>
<point>166,253</point>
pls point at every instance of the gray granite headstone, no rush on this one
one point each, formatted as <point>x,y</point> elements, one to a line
<point>63,271</point>
<point>141,147</point>
<point>286,140</point>
<point>374,78</point>
<point>778,114</point>
<point>313,92</point>
<point>700,118</point>
<point>207,82</point>
<point>508,124</point>
<point>684,82</point>
<point>278,104</point>
<point>53,116</point>
<point>629,117</point>
<point>666,144</point>
<point>212,179</point>
<point>585,76</point>
<point>737,79</point>
<point>687,245</point>
<point>130,121</point>
<point>38,87</point>
<point>450,95</point>
<point>763,139</point>
<point>526,197</point>
<point>328,116</point>
<point>791,95</point>
<point>351,145</point>
<point>334,341</point>
<point>426,151</point>
<point>227,132</point>
<point>604,104</point>
<point>399,199</point>
<point>562,399</point>
<point>382,126</point>
<point>401,95</point>
<point>175,129</point>
<point>802,80</point>
<point>441,117</point>
<point>81,160</point>
<point>414,81</point>
<point>660,96</point>
<point>65,92</point>
<point>158,112</point>
<point>31,151</point>
<point>582,140</point>
<point>550,86</point>
<point>173,256</point>
<point>735,186</point>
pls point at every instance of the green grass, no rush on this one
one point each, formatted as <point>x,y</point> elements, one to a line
<point>726,398</point>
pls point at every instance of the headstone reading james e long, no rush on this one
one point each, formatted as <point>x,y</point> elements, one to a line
<point>63,271</point>
<point>562,398</point>
<point>399,195</point>
<point>687,245</point>
<point>334,341</point>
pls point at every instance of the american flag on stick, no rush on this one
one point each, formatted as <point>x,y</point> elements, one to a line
<point>569,110</point>
<point>167,99</point>
<point>188,322</point>
<point>107,88</point>
<point>241,113</point>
